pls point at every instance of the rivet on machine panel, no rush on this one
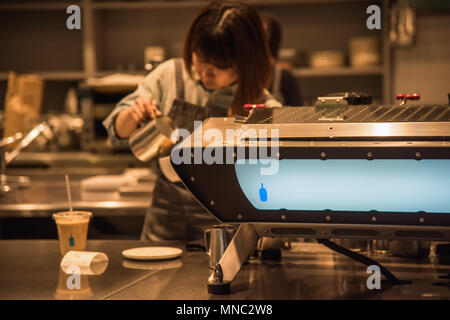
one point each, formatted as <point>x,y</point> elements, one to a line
<point>239,216</point>
<point>328,218</point>
<point>370,154</point>
<point>323,154</point>
<point>283,217</point>
<point>374,219</point>
<point>418,155</point>
<point>192,179</point>
<point>421,220</point>
<point>211,202</point>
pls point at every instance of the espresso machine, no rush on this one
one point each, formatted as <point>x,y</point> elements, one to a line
<point>333,170</point>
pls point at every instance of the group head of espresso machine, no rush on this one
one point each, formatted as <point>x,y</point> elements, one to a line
<point>333,170</point>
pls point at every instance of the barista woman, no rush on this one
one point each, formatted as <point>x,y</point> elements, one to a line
<point>226,64</point>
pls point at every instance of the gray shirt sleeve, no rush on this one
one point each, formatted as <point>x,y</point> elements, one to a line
<point>150,87</point>
<point>270,101</point>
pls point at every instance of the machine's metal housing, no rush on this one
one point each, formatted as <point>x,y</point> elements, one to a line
<point>350,132</point>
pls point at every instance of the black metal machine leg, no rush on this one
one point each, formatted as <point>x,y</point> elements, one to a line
<point>363,259</point>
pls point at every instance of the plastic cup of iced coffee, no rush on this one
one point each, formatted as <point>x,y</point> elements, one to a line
<point>72,229</point>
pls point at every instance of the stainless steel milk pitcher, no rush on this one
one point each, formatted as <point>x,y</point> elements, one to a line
<point>147,141</point>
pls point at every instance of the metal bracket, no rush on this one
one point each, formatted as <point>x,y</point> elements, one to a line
<point>237,252</point>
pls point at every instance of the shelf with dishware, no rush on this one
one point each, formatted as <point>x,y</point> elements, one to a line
<point>57,84</point>
<point>104,47</point>
<point>337,71</point>
<point>103,73</point>
<point>298,72</point>
<point>52,75</point>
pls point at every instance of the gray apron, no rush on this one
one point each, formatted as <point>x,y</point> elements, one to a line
<point>174,213</point>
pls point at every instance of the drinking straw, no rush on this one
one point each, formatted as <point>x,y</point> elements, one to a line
<point>68,192</point>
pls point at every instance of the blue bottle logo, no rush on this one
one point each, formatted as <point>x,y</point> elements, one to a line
<point>71,240</point>
<point>263,193</point>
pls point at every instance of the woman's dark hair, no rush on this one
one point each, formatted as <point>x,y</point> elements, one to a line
<point>274,35</point>
<point>226,34</point>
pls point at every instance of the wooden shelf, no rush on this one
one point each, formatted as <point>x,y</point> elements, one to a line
<point>53,75</point>
<point>298,72</point>
<point>36,6</point>
<point>337,72</point>
<point>133,5</point>
<point>104,73</point>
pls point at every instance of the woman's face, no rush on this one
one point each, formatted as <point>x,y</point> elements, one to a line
<point>212,77</point>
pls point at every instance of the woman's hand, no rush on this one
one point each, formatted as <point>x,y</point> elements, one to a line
<point>143,109</point>
<point>128,120</point>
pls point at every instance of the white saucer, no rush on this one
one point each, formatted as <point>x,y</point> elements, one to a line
<point>152,253</point>
<point>152,265</point>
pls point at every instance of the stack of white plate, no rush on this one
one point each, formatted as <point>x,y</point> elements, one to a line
<point>327,59</point>
<point>364,51</point>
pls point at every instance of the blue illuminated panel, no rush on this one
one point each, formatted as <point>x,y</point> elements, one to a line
<point>349,185</point>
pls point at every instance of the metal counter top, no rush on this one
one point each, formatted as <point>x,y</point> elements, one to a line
<point>102,158</point>
<point>30,270</point>
<point>46,193</point>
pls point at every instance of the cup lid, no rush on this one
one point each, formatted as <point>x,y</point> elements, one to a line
<point>72,215</point>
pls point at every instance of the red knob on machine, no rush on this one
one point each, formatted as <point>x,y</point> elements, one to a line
<point>253,106</point>
<point>405,97</point>
<point>414,96</point>
<point>400,96</point>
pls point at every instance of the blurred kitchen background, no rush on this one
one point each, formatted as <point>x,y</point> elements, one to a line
<point>85,72</point>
